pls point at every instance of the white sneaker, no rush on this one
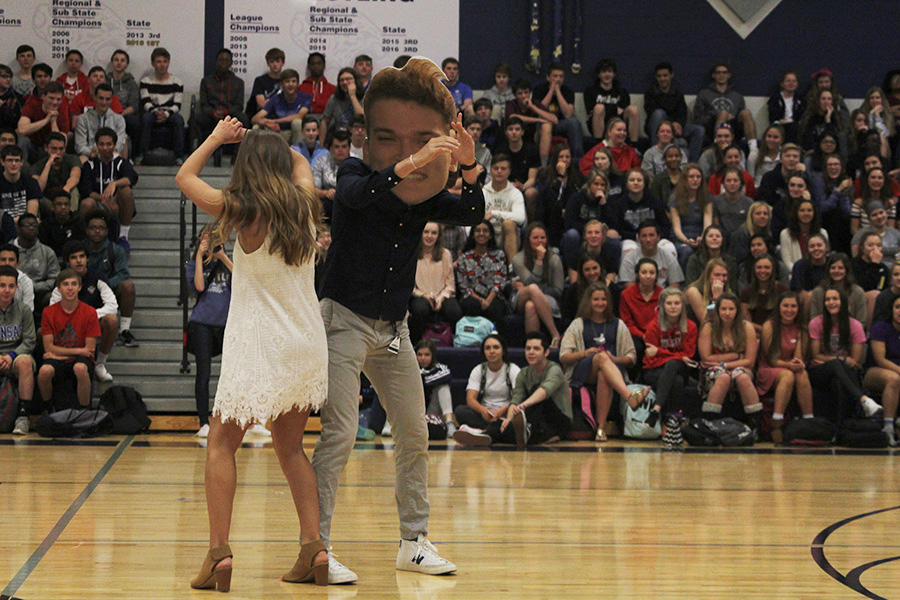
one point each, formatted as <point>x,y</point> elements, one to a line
<point>889,432</point>
<point>422,557</point>
<point>451,429</point>
<point>870,407</point>
<point>21,427</point>
<point>386,432</point>
<point>259,429</point>
<point>469,436</point>
<point>102,373</point>
<point>338,573</point>
<point>204,432</point>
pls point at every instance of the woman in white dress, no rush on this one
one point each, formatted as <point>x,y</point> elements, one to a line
<point>274,358</point>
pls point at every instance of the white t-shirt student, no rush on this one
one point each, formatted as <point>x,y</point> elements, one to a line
<point>496,392</point>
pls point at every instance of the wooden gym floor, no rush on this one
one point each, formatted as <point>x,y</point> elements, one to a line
<point>126,518</point>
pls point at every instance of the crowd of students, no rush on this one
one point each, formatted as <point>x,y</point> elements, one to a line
<point>699,213</point>
<point>752,267</point>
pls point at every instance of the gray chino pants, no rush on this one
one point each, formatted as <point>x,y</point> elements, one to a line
<point>355,344</point>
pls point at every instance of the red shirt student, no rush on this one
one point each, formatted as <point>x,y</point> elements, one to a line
<point>638,303</point>
<point>671,342</point>
<point>70,329</point>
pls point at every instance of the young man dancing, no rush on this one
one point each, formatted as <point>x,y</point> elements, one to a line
<point>414,137</point>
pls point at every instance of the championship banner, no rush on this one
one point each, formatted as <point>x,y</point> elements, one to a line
<point>98,27</point>
<point>340,30</point>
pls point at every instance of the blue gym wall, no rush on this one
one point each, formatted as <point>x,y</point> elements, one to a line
<point>858,41</point>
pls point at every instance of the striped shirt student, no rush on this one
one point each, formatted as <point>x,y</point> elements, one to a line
<point>159,94</point>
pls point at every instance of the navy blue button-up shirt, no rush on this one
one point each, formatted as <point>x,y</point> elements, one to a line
<point>371,264</point>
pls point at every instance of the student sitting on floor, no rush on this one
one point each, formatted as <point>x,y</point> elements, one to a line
<point>488,393</point>
<point>436,381</point>
<point>540,411</point>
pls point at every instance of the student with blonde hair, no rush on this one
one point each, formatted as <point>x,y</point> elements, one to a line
<point>274,358</point>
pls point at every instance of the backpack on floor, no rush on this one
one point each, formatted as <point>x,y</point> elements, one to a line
<point>817,431</point>
<point>9,404</point>
<point>583,423</point>
<point>74,423</point>
<point>158,157</point>
<point>439,333</point>
<point>471,331</point>
<point>437,429</point>
<point>862,433</point>
<point>635,426</point>
<point>718,432</point>
<point>127,410</point>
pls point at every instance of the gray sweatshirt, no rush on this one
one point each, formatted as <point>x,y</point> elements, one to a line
<point>17,334</point>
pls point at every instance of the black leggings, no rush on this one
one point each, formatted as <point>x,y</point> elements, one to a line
<point>203,342</point>
<point>466,416</point>
<point>546,421</point>
<point>836,375</point>
<point>420,312</point>
<point>669,382</point>
<point>471,307</point>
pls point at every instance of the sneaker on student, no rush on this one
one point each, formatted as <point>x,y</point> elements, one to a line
<point>386,432</point>
<point>870,407</point>
<point>138,160</point>
<point>259,429</point>
<point>102,373</point>
<point>122,242</point>
<point>338,573</point>
<point>204,432</point>
<point>522,427</point>
<point>21,427</point>
<point>364,434</point>
<point>179,161</point>
<point>469,436</point>
<point>126,338</point>
<point>889,432</point>
<point>421,556</point>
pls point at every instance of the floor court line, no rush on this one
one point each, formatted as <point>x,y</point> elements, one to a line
<point>489,543</point>
<point>13,586</point>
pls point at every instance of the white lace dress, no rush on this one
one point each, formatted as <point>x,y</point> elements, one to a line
<point>275,353</point>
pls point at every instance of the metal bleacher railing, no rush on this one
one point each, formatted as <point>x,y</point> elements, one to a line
<point>185,256</point>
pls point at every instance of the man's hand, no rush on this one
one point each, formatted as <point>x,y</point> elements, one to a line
<point>436,146</point>
<point>465,151</point>
<point>161,115</point>
<point>6,362</point>
<point>676,129</point>
<point>109,192</point>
